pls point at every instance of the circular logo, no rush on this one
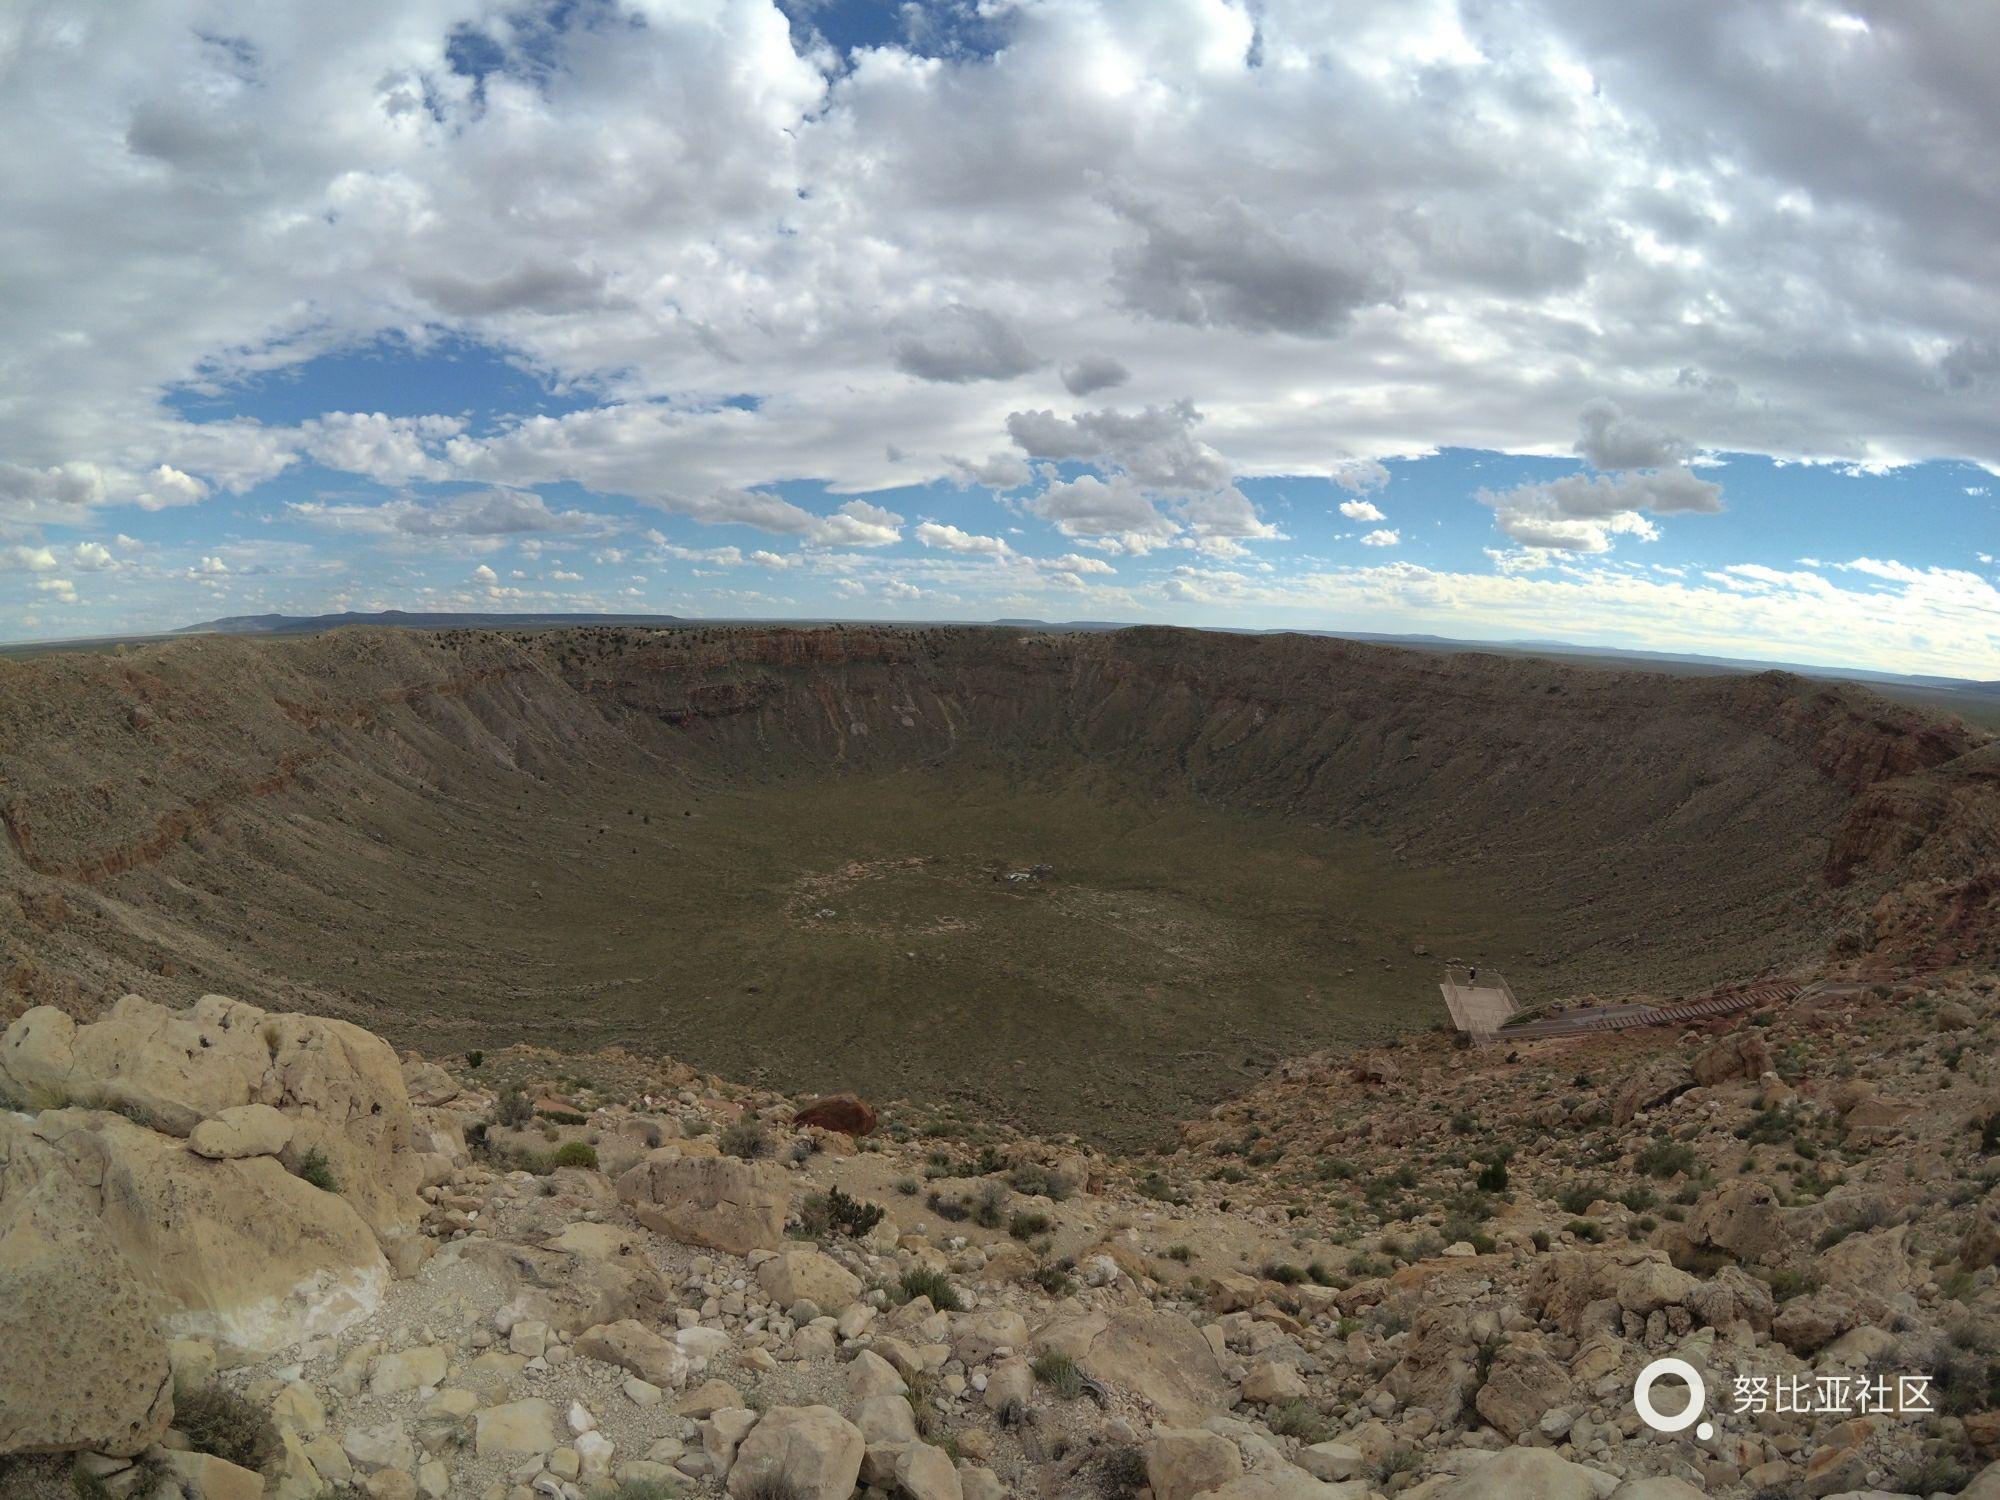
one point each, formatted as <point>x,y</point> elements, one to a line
<point>1653,1417</point>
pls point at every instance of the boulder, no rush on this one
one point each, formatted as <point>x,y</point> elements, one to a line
<point>243,1130</point>
<point>844,1113</point>
<point>406,1370</point>
<point>714,1201</point>
<point>102,1380</point>
<point>339,1086</point>
<point>631,1345</point>
<point>809,1276</point>
<point>426,1083</point>
<point>517,1429</point>
<point>1273,1383</point>
<point>1524,1382</point>
<point>1742,1221</point>
<point>1742,1054</point>
<point>1525,1474</point>
<point>1284,1482</point>
<point>1653,1284</point>
<point>1661,1080</point>
<point>983,1333</point>
<point>1182,1462</point>
<point>206,1477</point>
<point>1158,1356</point>
<point>926,1473</point>
<point>1436,1369</point>
<point>805,1452</point>
<point>242,1252</point>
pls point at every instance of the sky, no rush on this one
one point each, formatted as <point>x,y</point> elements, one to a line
<point>1661,326</point>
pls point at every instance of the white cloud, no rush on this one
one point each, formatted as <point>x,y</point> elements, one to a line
<point>951,539</point>
<point>1382,537</point>
<point>1361,510</point>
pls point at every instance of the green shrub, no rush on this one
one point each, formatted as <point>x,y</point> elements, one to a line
<point>1059,1373</point>
<point>747,1139</point>
<point>922,1281</point>
<point>575,1154</point>
<point>474,1058</point>
<point>1493,1177</point>
<point>218,1421</point>
<point>1032,1180</point>
<point>1027,1223</point>
<point>1181,1253</point>
<point>1667,1159</point>
<point>1284,1275</point>
<point>834,1212</point>
<point>1299,1419</point>
<point>1120,1471</point>
<point>513,1109</point>
<point>313,1168</point>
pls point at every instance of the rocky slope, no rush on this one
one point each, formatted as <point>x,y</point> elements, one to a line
<point>187,816</point>
<point>1418,1271</point>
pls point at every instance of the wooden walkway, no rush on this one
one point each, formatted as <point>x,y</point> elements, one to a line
<point>1623,1017</point>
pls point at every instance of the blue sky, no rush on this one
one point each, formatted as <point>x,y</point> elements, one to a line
<point>1389,318</point>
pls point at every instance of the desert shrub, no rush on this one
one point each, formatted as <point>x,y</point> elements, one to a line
<point>1578,1196</point>
<point>1033,1180</point>
<point>746,1139</point>
<point>218,1421</point>
<point>907,1186</point>
<point>922,1281</point>
<point>834,1212</point>
<point>513,1109</point>
<point>1059,1373</point>
<point>1153,1185</point>
<point>1934,1474</point>
<point>1301,1420</point>
<point>1027,1223</point>
<point>1120,1471</point>
<point>474,1058</point>
<point>1284,1275</point>
<point>989,1205</point>
<point>951,1210</point>
<point>1181,1253</point>
<point>1335,1169</point>
<point>1587,1230</point>
<point>1786,1284</point>
<point>1493,1177</point>
<point>575,1154</point>
<point>564,1116</point>
<point>313,1168</point>
<point>1053,1277</point>
<point>1666,1159</point>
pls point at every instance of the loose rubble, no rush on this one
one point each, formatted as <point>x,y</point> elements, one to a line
<point>260,1256</point>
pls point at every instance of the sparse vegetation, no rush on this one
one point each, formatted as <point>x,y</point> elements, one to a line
<point>315,1169</point>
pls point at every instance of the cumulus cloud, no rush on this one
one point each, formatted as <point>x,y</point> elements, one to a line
<point>951,539</point>
<point>961,344</point>
<point>485,513</point>
<point>1362,510</point>
<point>1114,513</point>
<point>1613,440</point>
<point>1000,471</point>
<point>1227,266</point>
<point>1092,373</point>
<point>1381,537</point>
<point>1584,512</point>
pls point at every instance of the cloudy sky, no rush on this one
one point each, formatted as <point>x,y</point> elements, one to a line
<point>1662,325</point>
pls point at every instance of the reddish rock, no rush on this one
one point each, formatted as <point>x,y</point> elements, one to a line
<point>845,1113</point>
